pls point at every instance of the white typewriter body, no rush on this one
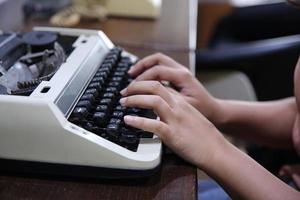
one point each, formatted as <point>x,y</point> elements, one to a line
<point>35,128</point>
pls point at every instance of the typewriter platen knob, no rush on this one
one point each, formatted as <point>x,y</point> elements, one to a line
<point>40,40</point>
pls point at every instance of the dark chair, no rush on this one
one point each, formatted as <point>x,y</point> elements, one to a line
<point>263,42</point>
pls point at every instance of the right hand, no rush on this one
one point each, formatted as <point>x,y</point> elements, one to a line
<point>160,67</point>
<point>181,127</point>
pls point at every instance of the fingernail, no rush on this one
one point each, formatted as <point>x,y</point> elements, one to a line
<point>128,119</point>
<point>130,70</point>
<point>123,92</point>
<point>122,101</point>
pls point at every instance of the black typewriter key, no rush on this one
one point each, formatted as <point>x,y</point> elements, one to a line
<point>112,56</point>
<point>85,103</point>
<point>145,134</point>
<point>126,60</point>
<point>106,101</point>
<point>110,61</point>
<point>117,79</point>
<point>95,85</point>
<point>122,65</point>
<point>109,95</point>
<point>102,133</point>
<point>113,130</point>
<point>122,69</point>
<point>113,127</point>
<point>99,118</point>
<point>114,84</point>
<point>120,108</point>
<point>102,74</point>
<point>102,108</point>
<point>118,114</point>
<point>131,129</point>
<point>98,80</point>
<point>120,74</point>
<point>111,89</point>
<point>135,111</point>
<point>105,67</point>
<point>132,145</point>
<point>90,127</point>
<point>115,121</point>
<point>88,97</point>
<point>129,138</point>
<point>92,91</point>
<point>129,80</point>
<point>79,113</point>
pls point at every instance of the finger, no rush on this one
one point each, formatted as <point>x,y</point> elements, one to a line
<point>155,126</point>
<point>161,73</point>
<point>149,62</point>
<point>296,178</point>
<point>173,92</point>
<point>148,87</point>
<point>285,170</point>
<point>156,103</point>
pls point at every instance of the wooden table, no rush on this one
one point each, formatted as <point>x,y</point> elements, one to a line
<point>174,31</point>
<point>173,35</point>
<point>176,180</point>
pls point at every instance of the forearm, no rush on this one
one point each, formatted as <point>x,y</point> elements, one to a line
<point>243,178</point>
<point>268,123</point>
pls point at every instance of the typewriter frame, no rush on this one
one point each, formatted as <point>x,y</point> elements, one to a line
<point>35,129</point>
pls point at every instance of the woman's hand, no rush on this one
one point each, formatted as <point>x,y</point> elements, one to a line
<point>181,127</point>
<point>160,67</point>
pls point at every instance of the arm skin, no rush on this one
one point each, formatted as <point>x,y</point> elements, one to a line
<point>189,134</point>
<point>269,123</point>
<point>243,178</point>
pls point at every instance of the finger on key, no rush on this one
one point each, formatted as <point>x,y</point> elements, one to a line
<point>155,126</point>
<point>150,61</point>
<point>161,73</point>
<point>153,102</point>
<point>148,87</point>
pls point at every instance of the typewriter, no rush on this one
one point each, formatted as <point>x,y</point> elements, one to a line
<point>60,110</point>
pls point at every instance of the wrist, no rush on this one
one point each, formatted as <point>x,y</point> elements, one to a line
<point>222,154</point>
<point>214,152</point>
<point>217,113</point>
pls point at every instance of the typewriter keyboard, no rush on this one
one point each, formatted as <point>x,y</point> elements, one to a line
<point>98,109</point>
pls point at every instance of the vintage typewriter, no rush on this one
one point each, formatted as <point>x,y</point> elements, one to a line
<point>59,106</point>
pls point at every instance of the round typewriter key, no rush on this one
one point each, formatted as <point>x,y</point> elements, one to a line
<point>102,108</point>
<point>98,80</point>
<point>92,91</point>
<point>112,56</point>
<point>99,118</point>
<point>88,97</point>
<point>106,101</point>
<point>120,108</point>
<point>111,89</point>
<point>128,137</point>
<point>117,79</point>
<point>79,113</point>
<point>95,85</point>
<point>120,74</point>
<point>114,84</point>
<point>109,95</point>
<point>104,75</point>
<point>85,103</point>
<point>112,131</point>
<point>118,114</point>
